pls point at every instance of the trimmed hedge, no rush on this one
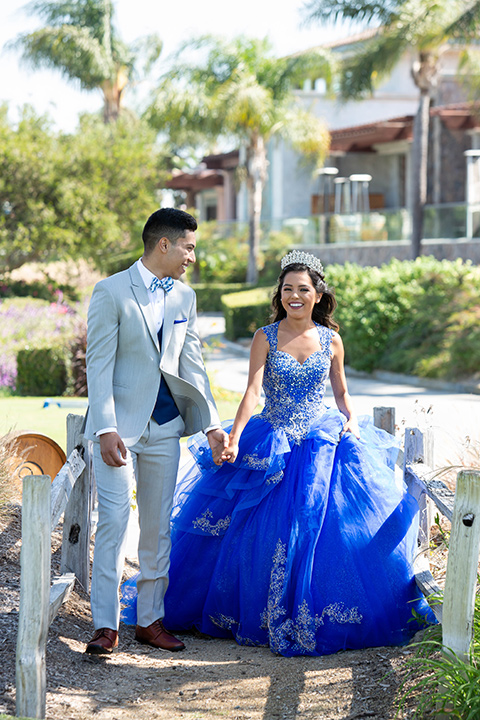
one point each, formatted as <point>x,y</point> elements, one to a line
<point>42,371</point>
<point>246,311</point>
<point>209,295</point>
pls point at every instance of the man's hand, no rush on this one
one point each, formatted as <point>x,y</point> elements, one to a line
<point>218,441</point>
<point>112,449</point>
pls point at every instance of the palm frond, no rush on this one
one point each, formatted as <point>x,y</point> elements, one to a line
<point>72,50</point>
<point>93,14</point>
<point>465,25</point>
<point>290,72</point>
<point>308,135</point>
<point>182,115</point>
<point>358,10</point>
<point>362,71</point>
<point>249,106</point>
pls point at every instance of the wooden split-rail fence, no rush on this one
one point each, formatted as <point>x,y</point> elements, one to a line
<point>71,494</point>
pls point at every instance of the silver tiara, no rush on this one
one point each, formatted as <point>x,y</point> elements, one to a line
<point>298,256</point>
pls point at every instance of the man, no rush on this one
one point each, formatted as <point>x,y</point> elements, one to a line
<point>147,386</point>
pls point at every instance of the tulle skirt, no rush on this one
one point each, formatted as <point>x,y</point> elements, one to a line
<point>306,547</point>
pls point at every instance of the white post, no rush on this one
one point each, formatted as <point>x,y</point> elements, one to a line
<point>419,449</point>
<point>462,566</point>
<point>384,418</point>
<point>34,597</point>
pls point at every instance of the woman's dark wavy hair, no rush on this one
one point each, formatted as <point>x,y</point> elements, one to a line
<point>322,312</point>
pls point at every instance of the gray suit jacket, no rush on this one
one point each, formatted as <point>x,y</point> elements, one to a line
<point>124,362</point>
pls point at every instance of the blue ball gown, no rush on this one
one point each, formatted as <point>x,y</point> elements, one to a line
<point>305,544</point>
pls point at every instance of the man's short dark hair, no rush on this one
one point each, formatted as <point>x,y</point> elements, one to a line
<point>167,222</point>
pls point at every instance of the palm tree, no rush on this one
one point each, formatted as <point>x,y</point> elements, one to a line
<point>422,26</point>
<point>236,92</point>
<point>80,40</point>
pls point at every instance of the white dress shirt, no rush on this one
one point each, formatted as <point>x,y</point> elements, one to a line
<point>157,297</point>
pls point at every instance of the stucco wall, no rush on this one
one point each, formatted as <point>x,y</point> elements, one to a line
<point>379,253</point>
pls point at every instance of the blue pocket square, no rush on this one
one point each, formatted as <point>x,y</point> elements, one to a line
<point>175,322</point>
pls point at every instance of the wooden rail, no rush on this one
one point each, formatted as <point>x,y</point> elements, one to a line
<point>71,494</point>
<point>454,607</point>
<point>43,504</point>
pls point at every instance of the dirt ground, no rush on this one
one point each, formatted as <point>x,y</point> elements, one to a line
<point>210,679</point>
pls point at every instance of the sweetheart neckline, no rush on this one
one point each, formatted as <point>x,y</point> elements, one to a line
<point>284,352</point>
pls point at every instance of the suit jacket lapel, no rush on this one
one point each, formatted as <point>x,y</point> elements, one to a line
<point>171,300</point>
<point>141,296</point>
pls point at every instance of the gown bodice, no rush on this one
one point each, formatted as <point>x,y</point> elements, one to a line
<point>294,391</point>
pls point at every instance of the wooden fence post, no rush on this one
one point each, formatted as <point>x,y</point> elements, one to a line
<point>384,418</point>
<point>77,518</point>
<point>419,449</point>
<point>461,578</point>
<point>34,597</point>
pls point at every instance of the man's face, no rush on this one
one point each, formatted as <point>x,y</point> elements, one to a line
<point>180,255</point>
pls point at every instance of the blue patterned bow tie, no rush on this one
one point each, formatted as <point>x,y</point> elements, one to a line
<point>165,283</point>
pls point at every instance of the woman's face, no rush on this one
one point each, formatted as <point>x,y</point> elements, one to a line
<point>298,295</point>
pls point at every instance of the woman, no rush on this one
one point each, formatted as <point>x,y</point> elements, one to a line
<point>302,540</point>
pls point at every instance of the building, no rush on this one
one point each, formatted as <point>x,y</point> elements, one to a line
<point>370,157</point>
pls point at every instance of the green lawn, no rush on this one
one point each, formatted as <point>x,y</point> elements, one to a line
<point>19,414</point>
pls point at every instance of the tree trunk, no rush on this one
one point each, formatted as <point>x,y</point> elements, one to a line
<point>425,74</point>
<point>419,170</point>
<point>112,94</point>
<point>256,175</point>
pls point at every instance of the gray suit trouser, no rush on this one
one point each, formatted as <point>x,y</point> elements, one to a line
<point>153,463</point>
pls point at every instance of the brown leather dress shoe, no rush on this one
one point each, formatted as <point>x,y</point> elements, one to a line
<point>156,636</point>
<point>103,642</point>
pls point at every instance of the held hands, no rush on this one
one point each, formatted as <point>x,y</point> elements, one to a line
<point>112,449</point>
<point>224,448</point>
<point>218,441</point>
<point>231,451</point>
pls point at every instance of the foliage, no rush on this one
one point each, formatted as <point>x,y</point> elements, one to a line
<point>443,684</point>
<point>47,289</point>
<point>220,257</point>
<point>237,92</point>
<point>422,26</point>
<point>119,168</point>
<point>42,371</point>
<point>209,296</point>
<point>244,312</point>
<point>416,317</point>
<point>32,323</point>
<point>80,40</point>
<point>75,196</point>
<point>78,362</point>
<point>7,448</point>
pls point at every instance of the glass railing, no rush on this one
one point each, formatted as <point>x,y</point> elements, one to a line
<point>448,221</point>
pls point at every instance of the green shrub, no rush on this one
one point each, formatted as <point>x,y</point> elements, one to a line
<point>245,312</point>
<point>46,289</point>
<point>42,371</point>
<point>209,295</point>
<point>417,317</point>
